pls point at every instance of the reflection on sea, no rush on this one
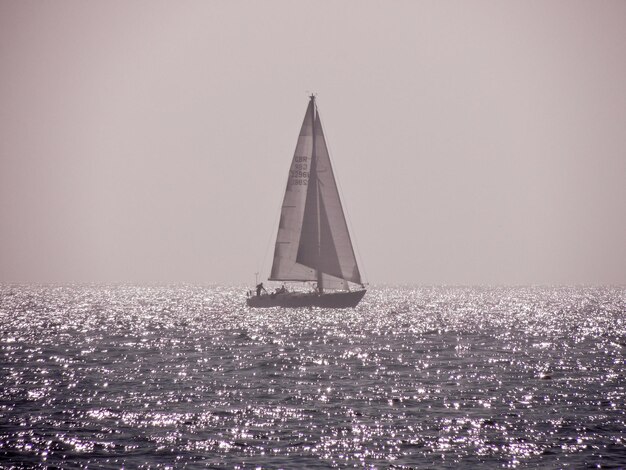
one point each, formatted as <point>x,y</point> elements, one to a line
<point>413,377</point>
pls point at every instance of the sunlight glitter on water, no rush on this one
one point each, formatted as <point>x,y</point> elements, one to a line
<point>435,377</point>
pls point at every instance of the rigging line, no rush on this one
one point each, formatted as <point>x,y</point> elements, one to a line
<point>261,269</point>
<point>273,233</point>
<point>343,199</point>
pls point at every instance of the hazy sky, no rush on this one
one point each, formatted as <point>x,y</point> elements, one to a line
<point>474,141</point>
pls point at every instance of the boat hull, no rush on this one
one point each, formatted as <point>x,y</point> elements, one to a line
<point>297,300</point>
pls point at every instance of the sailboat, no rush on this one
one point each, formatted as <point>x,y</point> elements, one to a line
<point>313,242</point>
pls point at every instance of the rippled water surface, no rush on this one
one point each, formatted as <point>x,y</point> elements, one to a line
<point>413,377</point>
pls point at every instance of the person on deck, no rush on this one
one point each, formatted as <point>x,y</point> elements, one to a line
<point>259,288</point>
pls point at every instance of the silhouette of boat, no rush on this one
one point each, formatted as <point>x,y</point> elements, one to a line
<point>313,242</point>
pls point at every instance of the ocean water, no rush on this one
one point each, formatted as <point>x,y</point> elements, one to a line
<point>414,377</point>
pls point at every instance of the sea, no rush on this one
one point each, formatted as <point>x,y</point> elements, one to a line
<point>415,377</point>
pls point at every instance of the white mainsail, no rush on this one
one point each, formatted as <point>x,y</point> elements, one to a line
<point>313,242</point>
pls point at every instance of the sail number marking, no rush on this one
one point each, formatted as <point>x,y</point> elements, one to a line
<point>299,174</point>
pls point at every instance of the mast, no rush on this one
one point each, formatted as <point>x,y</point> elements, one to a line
<point>318,271</point>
